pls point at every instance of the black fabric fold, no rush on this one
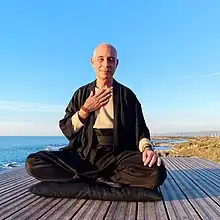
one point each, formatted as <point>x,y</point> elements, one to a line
<point>94,191</point>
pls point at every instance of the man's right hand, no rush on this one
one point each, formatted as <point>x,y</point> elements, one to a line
<point>96,101</point>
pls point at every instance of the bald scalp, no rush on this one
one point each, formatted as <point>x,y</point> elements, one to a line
<point>104,45</point>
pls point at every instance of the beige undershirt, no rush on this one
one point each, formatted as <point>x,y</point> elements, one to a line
<point>104,119</point>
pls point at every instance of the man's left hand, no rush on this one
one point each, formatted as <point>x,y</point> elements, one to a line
<point>150,157</point>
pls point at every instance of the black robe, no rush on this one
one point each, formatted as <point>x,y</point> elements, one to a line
<point>128,127</point>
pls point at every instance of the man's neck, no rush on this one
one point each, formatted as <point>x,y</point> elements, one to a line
<point>104,84</point>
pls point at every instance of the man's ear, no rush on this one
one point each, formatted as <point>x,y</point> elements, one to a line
<point>117,62</point>
<point>91,61</point>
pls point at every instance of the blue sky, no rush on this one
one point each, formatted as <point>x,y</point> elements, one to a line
<point>169,54</point>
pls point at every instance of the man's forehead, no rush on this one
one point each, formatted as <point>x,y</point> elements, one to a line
<point>105,50</point>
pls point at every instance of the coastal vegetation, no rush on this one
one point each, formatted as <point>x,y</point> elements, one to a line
<point>202,147</point>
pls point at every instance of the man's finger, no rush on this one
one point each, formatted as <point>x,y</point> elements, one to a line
<point>103,94</point>
<point>103,103</point>
<point>149,157</point>
<point>144,156</point>
<point>158,161</point>
<point>153,160</point>
<point>99,92</point>
<point>107,97</point>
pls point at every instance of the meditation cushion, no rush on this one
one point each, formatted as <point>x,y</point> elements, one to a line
<point>94,191</point>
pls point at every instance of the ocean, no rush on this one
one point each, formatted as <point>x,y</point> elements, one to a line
<point>15,149</point>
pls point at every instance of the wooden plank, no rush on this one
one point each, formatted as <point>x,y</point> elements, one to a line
<point>131,211</point>
<point>97,209</point>
<point>208,173</point>
<point>151,210</point>
<point>17,188</point>
<point>161,209</point>
<point>16,192</point>
<point>112,211</point>
<point>185,192</point>
<point>204,205</point>
<point>33,210</point>
<point>27,211</point>
<point>73,210</point>
<point>52,213</point>
<point>92,210</point>
<point>121,212</point>
<point>82,212</point>
<point>194,165</point>
<point>102,211</point>
<point>5,180</point>
<point>14,185</point>
<point>64,210</point>
<point>176,203</point>
<point>202,164</point>
<point>208,162</point>
<point>16,204</point>
<point>141,211</point>
<point>42,208</point>
<point>10,173</point>
<point>202,180</point>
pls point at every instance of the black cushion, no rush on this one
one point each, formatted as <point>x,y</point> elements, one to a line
<point>94,191</point>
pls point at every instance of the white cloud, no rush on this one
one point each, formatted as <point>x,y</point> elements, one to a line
<point>30,106</point>
<point>28,128</point>
<point>35,123</point>
<point>203,75</point>
<point>27,118</point>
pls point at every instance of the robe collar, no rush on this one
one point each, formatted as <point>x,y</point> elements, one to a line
<point>93,85</point>
<point>116,107</point>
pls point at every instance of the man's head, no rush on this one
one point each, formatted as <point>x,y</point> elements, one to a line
<point>104,61</point>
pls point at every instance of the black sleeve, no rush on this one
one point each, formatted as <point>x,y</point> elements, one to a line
<point>65,123</point>
<point>142,130</point>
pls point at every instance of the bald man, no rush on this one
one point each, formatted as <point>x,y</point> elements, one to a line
<point>108,138</point>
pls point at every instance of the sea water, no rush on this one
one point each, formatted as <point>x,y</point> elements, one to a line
<point>15,149</point>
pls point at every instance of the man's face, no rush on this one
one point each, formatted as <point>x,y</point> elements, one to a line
<point>104,62</point>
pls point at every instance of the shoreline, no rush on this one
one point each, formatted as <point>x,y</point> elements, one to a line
<point>197,147</point>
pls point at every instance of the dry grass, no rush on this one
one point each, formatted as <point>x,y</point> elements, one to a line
<point>203,147</point>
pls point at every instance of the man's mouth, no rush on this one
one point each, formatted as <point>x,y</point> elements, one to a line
<point>106,71</point>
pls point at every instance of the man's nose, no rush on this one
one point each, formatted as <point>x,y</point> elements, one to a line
<point>105,62</point>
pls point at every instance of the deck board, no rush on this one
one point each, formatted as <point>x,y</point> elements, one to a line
<point>197,196</point>
<point>177,205</point>
<point>191,191</point>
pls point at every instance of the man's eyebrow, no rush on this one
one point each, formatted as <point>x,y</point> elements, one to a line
<point>111,57</point>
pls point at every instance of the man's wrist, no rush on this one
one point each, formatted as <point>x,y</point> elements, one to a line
<point>148,147</point>
<point>83,115</point>
<point>85,109</point>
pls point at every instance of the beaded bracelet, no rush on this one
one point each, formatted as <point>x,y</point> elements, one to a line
<point>85,109</point>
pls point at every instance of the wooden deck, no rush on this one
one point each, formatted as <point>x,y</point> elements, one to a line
<point>191,191</point>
